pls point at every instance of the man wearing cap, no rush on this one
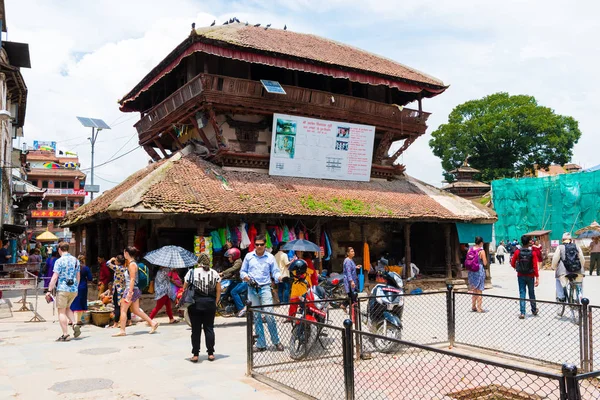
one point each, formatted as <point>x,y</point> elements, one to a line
<point>558,263</point>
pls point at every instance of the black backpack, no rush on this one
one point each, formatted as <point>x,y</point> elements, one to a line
<point>525,261</point>
<point>571,260</point>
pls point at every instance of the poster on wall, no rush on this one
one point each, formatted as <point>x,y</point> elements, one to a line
<point>315,148</point>
<point>42,145</point>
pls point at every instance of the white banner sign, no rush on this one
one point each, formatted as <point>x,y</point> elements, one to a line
<point>21,267</point>
<point>17,284</point>
<point>315,148</point>
<point>64,192</point>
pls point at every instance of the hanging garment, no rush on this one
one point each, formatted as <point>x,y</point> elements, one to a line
<point>252,232</point>
<point>366,258</point>
<point>286,234</point>
<point>223,236</point>
<point>268,243</point>
<point>244,240</point>
<point>216,241</point>
<point>232,236</point>
<point>328,247</point>
<point>208,248</point>
<point>279,231</point>
<point>238,234</point>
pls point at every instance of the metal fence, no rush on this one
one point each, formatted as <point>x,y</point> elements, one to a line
<point>594,336</point>
<point>329,369</point>
<point>544,338</point>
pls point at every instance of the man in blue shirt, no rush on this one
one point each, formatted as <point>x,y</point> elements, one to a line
<point>66,279</point>
<point>5,255</point>
<point>259,266</point>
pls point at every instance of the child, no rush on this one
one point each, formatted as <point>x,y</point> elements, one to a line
<point>117,264</point>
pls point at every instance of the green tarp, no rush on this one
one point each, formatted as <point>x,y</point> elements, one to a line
<point>467,232</point>
<point>562,203</point>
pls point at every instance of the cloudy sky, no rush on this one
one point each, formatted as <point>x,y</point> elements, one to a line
<point>86,54</point>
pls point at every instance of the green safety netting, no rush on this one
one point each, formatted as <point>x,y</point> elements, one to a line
<point>562,203</point>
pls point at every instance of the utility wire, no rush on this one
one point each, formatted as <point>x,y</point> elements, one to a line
<point>106,180</point>
<point>111,160</point>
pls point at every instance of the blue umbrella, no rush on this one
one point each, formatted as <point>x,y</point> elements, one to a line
<point>301,245</point>
<point>172,257</point>
<point>588,234</point>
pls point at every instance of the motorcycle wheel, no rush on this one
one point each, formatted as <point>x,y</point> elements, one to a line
<point>301,341</point>
<point>186,317</point>
<point>390,331</point>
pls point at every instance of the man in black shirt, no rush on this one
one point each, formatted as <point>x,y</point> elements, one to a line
<point>5,255</point>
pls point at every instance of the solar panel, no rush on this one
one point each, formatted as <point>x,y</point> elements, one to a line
<point>93,123</point>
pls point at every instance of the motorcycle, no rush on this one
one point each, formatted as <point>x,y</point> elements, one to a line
<point>334,288</point>
<point>384,312</point>
<point>305,334</point>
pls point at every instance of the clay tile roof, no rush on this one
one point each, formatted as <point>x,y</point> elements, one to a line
<point>314,48</point>
<point>292,46</point>
<point>190,185</point>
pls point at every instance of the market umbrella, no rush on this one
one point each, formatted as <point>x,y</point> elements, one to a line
<point>47,237</point>
<point>51,165</point>
<point>301,245</point>
<point>172,257</point>
<point>589,231</point>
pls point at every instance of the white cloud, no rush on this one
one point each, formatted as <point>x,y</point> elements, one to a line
<point>86,55</point>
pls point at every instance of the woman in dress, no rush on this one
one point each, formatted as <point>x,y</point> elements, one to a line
<point>79,305</point>
<point>207,291</point>
<point>350,276</point>
<point>117,264</point>
<point>477,278</point>
<point>162,290</point>
<point>132,294</point>
<point>50,268</point>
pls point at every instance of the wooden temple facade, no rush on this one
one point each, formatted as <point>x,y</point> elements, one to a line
<point>205,121</point>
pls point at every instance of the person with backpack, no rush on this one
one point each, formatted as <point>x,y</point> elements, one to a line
<point>133,293</point>
<point>475,261</point>
<point>568,259</point>
<point>525,261</point>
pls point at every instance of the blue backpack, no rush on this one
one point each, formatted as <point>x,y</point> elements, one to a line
<point>143,277</point>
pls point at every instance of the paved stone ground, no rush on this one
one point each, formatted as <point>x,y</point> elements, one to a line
<point>97,366</point>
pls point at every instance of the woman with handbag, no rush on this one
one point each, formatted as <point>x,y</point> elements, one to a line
<point>202,289</point>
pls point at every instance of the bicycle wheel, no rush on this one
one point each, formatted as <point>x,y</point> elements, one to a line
<point>561,305</point>
<point>574,303</point>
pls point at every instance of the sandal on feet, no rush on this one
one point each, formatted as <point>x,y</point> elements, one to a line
<point>76,331</point>
<point>211,357</point>
<point>474,309</point>
<point>194,359</point>
<point>175,321</point>
<point>154,328</point>
<point>63,338</point>
<point>119,334</point>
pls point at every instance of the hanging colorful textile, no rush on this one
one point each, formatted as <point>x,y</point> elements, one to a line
<point>366,257</point>
<point>223,236</point>
<point>208,248</point>
<point>252,235</point>
<point>286,234</point>
<point>328,247</point>
<point>268,243</point>
<point>199,246</point>
<point>216,241</point>
<point>244,239</point>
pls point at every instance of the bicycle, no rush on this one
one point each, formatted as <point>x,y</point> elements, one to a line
<point>572,299</point>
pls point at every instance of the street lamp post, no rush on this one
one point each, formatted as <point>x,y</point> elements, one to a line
<point>97,125</point>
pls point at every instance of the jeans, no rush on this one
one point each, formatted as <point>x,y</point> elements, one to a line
<point>259,297</point>
<point>283,292</point>
<point>202,320</point>
<point>526,283</point>
<point>236,292</point>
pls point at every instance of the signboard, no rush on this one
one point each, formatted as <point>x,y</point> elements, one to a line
<point>272,86</point>
<point>17,284</point>
<point>48,213</point>
<point>66,192</point>
<point>92,188</point>
<point>554,243</point>
<point>315,148</point>
<point>21,267</point>
<point>42,145</point>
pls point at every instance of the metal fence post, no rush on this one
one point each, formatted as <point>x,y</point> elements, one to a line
<point>347,344</point>
<point>450,314</point>
<point>358,327</point>
<point>591,337</point>
<point>570,372</point>
<point>249,338</point>
<point>585,334</point>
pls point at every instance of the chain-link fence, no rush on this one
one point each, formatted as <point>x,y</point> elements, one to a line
<point>594,337</point>
<point>302,356</point>
<point>549,335</point>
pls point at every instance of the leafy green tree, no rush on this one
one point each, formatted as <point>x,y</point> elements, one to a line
<point>504,135</point>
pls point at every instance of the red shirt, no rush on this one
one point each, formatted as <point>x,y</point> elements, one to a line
<point>535,260</point>
<point>105,274</point>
